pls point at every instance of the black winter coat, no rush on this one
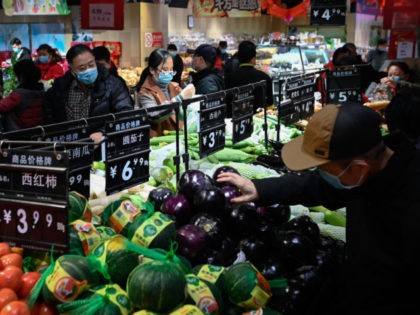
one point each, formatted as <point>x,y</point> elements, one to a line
<point>382,233</point>
<point>208,80</point>
<point>109,95</point>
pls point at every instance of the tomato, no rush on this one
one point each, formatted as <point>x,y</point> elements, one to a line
<point>35,308</point>
<point>47,309</point>
<point>12,259</point>
<point>6,296</point>
<point>16,308</point>
<point>28,281</point>
<point>10,277</point>
<point>4,248</point>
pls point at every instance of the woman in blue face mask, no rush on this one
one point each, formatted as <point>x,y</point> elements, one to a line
<point>158,89</point>
<point>47,62</point>
<point>85,90</point>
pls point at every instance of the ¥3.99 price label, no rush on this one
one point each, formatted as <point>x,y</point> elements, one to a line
<point>211,140</point>
<point>34,225</point>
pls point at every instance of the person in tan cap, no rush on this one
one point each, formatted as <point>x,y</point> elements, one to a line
<point>345,163</point>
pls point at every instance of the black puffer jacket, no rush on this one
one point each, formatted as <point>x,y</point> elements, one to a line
<point>109,95</point>
<point>208,80</point>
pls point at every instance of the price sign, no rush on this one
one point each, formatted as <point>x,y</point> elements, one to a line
<point>127,171</point>
<point>125,124</point>
<point>328,14</point>
<point>34,225</point>
<point>37,175</point>
<point>120,142</point>
<point>242,107</point>
<point>242,128</point>
<point>79,180</point>
<point>211,140</point>
<point>212,116</point>
<point>343,85</point>
<point>304,107</point>
<point>288,112</point>
<point>213,100</point>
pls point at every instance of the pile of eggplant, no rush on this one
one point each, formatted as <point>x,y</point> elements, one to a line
<point>212,230</point>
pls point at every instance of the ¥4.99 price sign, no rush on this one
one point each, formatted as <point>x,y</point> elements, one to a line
<point>127,171</point>
<point>34,225</point>
<point>328,15</point>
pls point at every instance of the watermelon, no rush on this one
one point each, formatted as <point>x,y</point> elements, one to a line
<point>83,237</point>
<point>115,258</point>
<point>183,263</point>
<point>206,296</point>
<point>79,208</point>
<point>157,286</point>
<point>246,287</point>
<point>103,300</point>
<point>119,215</point>
<point>154,230</point>
<point>70,277</point>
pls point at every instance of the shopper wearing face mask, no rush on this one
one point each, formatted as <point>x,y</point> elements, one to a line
<point>399,80</point>
<point>21,53</point>
<point>47,62</point>
<point>86,90</point>
<point>158,88</point>
<point>377,57</point>
<point>349,165</point>
<point>178,63</point>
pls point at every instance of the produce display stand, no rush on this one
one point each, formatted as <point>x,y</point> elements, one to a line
<point>237,103</point>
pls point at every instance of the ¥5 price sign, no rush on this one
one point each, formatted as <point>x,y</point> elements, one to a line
<point>242,128</point>
<point>127,171</point>
<point>34,225</point>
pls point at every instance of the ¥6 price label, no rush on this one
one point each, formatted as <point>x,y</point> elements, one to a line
<point>34,224</point>
<point>127,171</point>
<point>211,140</point>
<point>242,128</point>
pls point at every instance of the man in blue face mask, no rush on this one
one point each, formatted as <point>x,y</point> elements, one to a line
<point>377,57</point>
<point>22,53</point>
<point>343,162</point>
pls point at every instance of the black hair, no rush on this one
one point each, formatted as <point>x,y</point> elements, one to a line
<point>172,47</point>
<point>157,57</point>
<point>339,51</point>
<point>101,53</point>
<point>381,41</point>
<point>223,43</point>
<point>350,46</point>
<point>55,56</point>
<point>15,41</point>
<point>403,114</point>
<point>347,61</point>
<point>27,72</point>
<point>246,51</point>
<point>402,65</point>
<point>75,51</point>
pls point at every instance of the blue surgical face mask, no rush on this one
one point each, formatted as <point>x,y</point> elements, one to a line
<point>15,49</point>
<point>223,51</point>
<point>172,53</point>
<point>334,180</point>
<point>88,76</point>
<point>396,78</point>
<point>44,59</point>
<point>165,77</point>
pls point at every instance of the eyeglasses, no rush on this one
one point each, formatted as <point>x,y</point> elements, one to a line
<point>167,72</point>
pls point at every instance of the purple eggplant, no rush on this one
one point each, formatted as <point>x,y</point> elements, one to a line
<point>178,208</point>
<point>192,181</point>
<point>306,226</point>
<point>158,196</point>
<point>224,169</point>
<point>192,241</point>
<point>211,200</point>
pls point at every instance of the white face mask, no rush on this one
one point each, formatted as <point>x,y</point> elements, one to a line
<point>334,180</point>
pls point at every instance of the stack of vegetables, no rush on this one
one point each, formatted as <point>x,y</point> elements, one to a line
<point>191,252</point>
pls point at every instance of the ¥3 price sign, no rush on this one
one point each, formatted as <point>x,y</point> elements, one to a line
<point>33,199</point>
<point>343,85</point>
<point>328,12</point>
<point>211,140</point>
<point>34,225</point>
<point>242,122</point>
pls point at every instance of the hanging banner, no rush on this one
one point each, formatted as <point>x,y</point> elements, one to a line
<point>35,7</point>
<point>227,8</point>
<point>103,14</point>
<point>276,8</point>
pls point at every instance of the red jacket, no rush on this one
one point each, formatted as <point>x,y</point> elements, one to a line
<point>23,108</point>
<point>50,71</point>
